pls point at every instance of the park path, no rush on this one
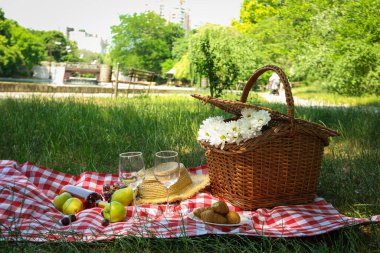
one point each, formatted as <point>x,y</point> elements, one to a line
<point>163,90</point>
<point>313,103</point>
<point>133,90</point>
<point>297,101</point>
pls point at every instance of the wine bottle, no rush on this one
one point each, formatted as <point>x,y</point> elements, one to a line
<point>89,198</point>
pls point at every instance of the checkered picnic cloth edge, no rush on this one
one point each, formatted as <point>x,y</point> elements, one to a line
<point>27,212</point>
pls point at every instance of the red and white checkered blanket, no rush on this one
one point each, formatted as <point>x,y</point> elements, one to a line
<point>27,212</point>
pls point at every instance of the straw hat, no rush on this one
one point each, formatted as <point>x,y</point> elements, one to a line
<point>153,192</point>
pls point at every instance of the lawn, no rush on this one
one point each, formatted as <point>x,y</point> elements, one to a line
<point>75,135</point>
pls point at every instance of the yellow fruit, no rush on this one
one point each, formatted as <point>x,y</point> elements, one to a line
<point>60,199</point>
<point>72,206</point>
<point>123,196</point>
<point>114,211</point>
<point>233,217</point>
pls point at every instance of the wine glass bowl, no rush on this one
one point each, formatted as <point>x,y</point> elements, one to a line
<point>167,171</point>
<point>131,169</point>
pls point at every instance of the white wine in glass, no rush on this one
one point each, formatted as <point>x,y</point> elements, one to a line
<point>132,171</point>
<point>167,171</point>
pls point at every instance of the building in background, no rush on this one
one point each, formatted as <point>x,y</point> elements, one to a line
<point>176,12</point>
<point>85,40</point>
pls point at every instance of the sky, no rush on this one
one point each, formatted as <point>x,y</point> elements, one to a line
<point>97,16</point>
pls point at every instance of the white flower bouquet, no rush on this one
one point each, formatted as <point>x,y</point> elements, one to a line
<point>218,132</point>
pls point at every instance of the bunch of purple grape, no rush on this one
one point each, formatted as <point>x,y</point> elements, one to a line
<point>108,190</point>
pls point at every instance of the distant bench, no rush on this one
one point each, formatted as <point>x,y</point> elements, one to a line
<point>135,76</point>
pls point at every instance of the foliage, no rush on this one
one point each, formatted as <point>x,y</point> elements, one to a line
<point>19,48</point>
<point>89,57</point>
<point>143,41</point>
<point>351,68</point>
<point>253,12</point>
<point>182,68</point>
<point>58,47</point>
<point>322,40</point>
<point>166,66</point>
<point>213,52</point>
<point>182,63</point>
<point>180,48</point>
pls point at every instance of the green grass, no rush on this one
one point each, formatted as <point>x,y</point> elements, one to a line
<point>76,135</point>
<point>320,93</point>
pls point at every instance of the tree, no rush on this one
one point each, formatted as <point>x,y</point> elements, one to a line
<point>166,66</point>
<point>356,48</point>
<point>180,48</point>
<point>143,41</point>
<point>89,57</point>
<point>20,50</point>
<point>180,54</point>
<point>339,42</point>
<point>213,51</point>
<point>328,41</point>
<point>57,47</point>
<point>182,68</point>
<point>256,11</point>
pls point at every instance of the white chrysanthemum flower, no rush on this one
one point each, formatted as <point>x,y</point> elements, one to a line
<point>220,136</point>
<point>209,128</point>
<point>262,117</point>
<point>246,129</point>
<point>248,113</point>
<point>233,130</point>
<point>212,120</point>
<point>203,134</point>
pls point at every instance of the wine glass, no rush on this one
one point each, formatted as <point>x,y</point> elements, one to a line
<point>167,171</point>
<point>132,171</point>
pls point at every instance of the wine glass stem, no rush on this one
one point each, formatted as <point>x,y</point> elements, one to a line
<point>167,201</point>
<point>134,208</point>
<point>134,215</point>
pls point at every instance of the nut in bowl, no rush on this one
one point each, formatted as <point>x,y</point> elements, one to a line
<point>218,214</point>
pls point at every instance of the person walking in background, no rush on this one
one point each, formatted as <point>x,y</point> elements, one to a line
<point>274,84</point>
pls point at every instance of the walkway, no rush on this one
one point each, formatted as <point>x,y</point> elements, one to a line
<point>106,90</point>
<point>303,102</point>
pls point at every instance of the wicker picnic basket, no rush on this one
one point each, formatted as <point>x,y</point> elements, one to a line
<point>279,167</point>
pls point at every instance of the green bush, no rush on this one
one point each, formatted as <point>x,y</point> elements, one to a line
<point>352,72</point>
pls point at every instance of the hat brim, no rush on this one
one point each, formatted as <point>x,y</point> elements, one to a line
<point>192,184</point>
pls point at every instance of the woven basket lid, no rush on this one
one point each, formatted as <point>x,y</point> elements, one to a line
<point>153,192</point>
<point>235,107</point>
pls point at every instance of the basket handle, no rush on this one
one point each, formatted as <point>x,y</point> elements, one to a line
<point>284,80</point>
